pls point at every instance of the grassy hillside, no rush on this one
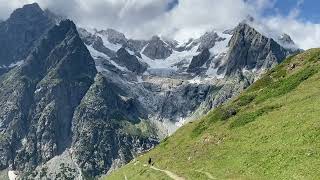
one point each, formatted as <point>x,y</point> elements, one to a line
<point>272,131</point>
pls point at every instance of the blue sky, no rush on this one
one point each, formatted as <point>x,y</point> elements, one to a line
<point>309,9</point>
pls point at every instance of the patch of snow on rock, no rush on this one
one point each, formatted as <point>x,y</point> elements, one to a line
<point>171,61</point>
<point>111,46</point>
<point>221,46</point>
<point>96,55</point>
<point>13,175</point>
<point>19,63</point>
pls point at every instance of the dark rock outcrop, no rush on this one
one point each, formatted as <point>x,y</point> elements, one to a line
<point>100,138</point>
<point>129,61</point>
<point>39,98</point>
<point>114,36</point>
<point>86,36</point>
<point>54,103</point>
<point>98,45</point>
<point>198,61</point>
<point>208,40</point>
<point>157,49</point>
<point>136,45</point>
<point>248,51</point>
<point>20,33</point>
<point>251,50</point>
<point>186,98</point>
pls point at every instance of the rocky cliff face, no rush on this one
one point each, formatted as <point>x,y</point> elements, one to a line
<point>251,50</point>
<point>250,54</point>
<point>157,49</point>
<point>102,138</point>
<point>41,100</point>
<point>198,61</point>
<point>131,62</point>
<point>20,33</point>
<point>41,95</point>
<point>208,40</point>
<point>114,36</point>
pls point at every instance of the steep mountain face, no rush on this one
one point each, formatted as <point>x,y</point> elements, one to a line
<point>208,40</point>
<point>157,49</point>
<point>198,61</point>
<point>250,55</point>
<point>20,32</point>
<point>270,131</point>
<point>286,41</point>
<point>131,62</point>
<point>85,102</point>
<point>251,50</point>
<point>114,36</point>
<point>162,86</point>
<point>102,139</point>
<point>39,98</point>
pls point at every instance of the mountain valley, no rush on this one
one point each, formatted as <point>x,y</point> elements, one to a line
<point>79,103</point>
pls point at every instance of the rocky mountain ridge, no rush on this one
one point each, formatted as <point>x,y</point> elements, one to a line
<point>20,33</point>
<point>268,132</point>
<point>82,103</point>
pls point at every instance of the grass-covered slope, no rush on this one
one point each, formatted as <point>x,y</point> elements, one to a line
<point>272,131</point>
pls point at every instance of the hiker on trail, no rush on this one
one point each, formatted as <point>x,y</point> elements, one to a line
<point>150,161</point>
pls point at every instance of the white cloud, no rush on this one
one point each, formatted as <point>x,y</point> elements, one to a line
<point>197,17</point>
<point>305,34</point>
<point>143,18</point>
<point>295,12</point>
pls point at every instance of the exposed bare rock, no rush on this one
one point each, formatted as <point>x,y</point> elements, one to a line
<point>20,33</point>
<point>157,49</point>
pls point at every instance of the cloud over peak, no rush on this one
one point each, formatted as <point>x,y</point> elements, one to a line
<point>175,18</point>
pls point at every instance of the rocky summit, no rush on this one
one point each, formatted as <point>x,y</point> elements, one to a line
<point>20,33</point>
<point>78,103</point>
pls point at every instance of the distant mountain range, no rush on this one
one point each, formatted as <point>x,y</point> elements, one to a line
<point>270,131</point>
<point>79,103</point>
